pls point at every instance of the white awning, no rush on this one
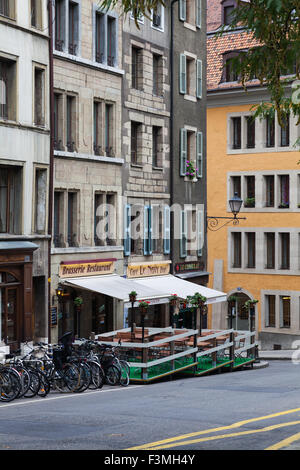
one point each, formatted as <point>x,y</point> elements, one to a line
<point>117,287</point>
<point>175,285</point>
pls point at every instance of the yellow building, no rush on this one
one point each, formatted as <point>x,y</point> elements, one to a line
<point>259,258</point>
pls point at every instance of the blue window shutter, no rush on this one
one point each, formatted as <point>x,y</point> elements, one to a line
<point>146,231</point>
<point>150,230</point>
<point>199,149</point>
<point>198,13</point>
<point>167,247</point>
<point>199,78</point>
<point>182,10</point>
<point>182,74</point>
<point>200,232</point>
<point>183,151</point>
<point>183,234</point>
<point>127,234</point>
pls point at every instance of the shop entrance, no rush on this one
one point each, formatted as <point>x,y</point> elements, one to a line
<point>10,297</point>
<point>237,314</point>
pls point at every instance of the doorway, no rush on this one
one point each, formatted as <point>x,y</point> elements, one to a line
<point>10,309</point>
<point>240,315</point>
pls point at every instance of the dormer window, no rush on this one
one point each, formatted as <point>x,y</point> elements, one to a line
<point>227,8</point>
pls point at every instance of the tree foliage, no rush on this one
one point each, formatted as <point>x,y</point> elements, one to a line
<point>275,59</point>
<point>136,7</point>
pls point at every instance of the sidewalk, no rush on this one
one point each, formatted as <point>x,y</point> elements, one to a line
<point>283,354</point>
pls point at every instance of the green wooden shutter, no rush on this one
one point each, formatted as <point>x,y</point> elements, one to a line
<point>167,220</point>
<point>183,234</point>
<point>200,232</point>
<point>199,159</point>
<point>198,13</point>
<point>127,235</point>
<point>199,78</point>
<point>183,151</point>
<point>182,10</point>
<point>182,74</point>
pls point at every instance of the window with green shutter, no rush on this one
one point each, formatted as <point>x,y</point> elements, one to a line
<point>167,226</point>
<point>199,150</point>
<point>148,230</point>
<point>127,234</point>
<point>182,10</point>
<point>182,74</point>
<point>183,151</point>
<point>199,78</point>
<point>198,13</point>
<point>200,232</point>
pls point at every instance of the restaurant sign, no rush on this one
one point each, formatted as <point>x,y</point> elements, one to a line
<point>146,270</point>
<point>86,268</point>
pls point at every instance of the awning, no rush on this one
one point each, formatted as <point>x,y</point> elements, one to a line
<point>175,285</point>
<point>117,287</point>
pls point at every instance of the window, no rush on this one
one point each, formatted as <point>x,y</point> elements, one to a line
<point>285,311</point>
<point>250,132</point>
<point>284,250</point>
<point>99,37</point>
<point>71,123</point>
<point>270,250</point>
<point>97,144</point>
<point>58,121</point>
<point>7,89</point>
<point>158,17</point>
<point>98,219</point>
<point>236,185</point>
<point>40,200</point>
<point>250,236</point>
<point>109,131</point>
<point>39,96</point>
<point>157,229</point>
<point>72,218</point>
<point>59,25</point>
<point>270,311</point>
<point>148,230</point>
<point>250,191</point>
<point>7,8</point>
<point>269,185</point>
<point>284,187</point>
<point>227,14</point>
<point>36,13</point>
<point>183,234</point>
<point>236,133</point>
<point>285,132</point>
<point>237,250</point>
<point>167,230</point>
<point>136,135</point>
<point>157,146</point>
<point>270,131</point>
<point>10,199</point>
<point>104,219</point>
<point>73,28</point>
<point>58,221</point>
<point>136,68</point>
<point>111,41</point>
<point>190,76</point>
<point>190,12</point>
<point>230,74</point>
<point>157,75</point>
<point>192,233</point>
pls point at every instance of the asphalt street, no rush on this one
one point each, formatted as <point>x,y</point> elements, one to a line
<point>244,410</point>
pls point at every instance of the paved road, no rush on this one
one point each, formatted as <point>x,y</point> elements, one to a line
<point>253,410</point>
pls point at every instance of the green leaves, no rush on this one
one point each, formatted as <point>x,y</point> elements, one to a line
<point>136,8</point>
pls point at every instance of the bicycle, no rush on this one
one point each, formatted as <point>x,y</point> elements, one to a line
<point>10,384</point>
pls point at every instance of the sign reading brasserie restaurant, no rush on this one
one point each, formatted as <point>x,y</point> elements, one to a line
<point>145,270</point>
<point>86,268</point>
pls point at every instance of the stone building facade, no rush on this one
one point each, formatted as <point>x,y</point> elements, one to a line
<point>24,171</point>
<point>88,161</point>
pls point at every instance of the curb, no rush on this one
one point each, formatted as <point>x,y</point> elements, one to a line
<point>258,365</point>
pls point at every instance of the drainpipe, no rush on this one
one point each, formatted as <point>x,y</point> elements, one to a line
<point>50,194</point>
<point>171,129</point>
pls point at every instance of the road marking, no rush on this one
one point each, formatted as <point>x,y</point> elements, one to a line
<point>285,442</point>
<point>224,436</point>
<point>208,431</point>
<point>37,400</point>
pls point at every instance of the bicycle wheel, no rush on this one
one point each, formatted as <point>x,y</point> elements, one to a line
<point>85,377</point>
<point>70,377</point>
<point>44,385</point>
<point>24,380</point>
<point>112,375</point>
<point>34,384</point>
<point>10,384</point>
<point>98,377</point>
<point>124,376</point>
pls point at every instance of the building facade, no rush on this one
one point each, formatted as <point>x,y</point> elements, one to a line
<point>188,140</point>
<point>24,171</point>
<point>257,259</point>
<point>88,164</point>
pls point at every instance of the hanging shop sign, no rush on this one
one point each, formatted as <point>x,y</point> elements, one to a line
<point>86,268</point>
<point>146,270</point>
<point>188,267</point>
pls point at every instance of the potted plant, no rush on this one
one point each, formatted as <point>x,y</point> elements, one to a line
<point>250,303</point>
<point>249,202</point>
<point>191,171</point>
<point>143,305</point>
<point>78,301</point>
<point>173,299</point>
<point>132,296</point>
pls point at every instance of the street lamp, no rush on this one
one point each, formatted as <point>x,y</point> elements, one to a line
<point>235,204</point>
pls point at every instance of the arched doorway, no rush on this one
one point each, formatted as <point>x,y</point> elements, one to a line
<point>238,316</point>
<point>10,307</point>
